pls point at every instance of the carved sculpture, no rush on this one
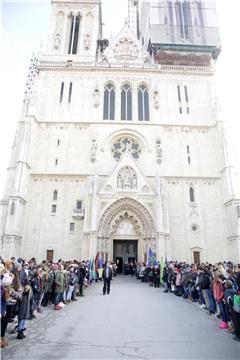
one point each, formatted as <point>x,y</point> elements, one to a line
<point>57,41</point>
<point>156,98</point>
<point>87,41</point>
<point>96,95</point>
<point>127,179</point>
<point>126,49</point>
<point>93,150</point>
<point>159,151</point>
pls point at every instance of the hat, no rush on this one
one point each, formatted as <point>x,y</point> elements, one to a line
<point>55,266</point>
<point>6,280</point>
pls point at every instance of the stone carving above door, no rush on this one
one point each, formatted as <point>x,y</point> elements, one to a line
<point>126,227</point>
<point>127,179</point>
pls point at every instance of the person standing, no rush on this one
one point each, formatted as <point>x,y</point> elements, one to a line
<point>107,277</point>
<point>24,311</point>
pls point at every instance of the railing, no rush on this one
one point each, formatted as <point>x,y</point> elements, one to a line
<point>78,213</point>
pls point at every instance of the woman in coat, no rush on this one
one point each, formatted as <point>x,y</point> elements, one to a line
<point>24,310</point>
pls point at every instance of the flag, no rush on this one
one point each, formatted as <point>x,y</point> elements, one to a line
<point>100,270</point>
<point>96,263</point>
<point>150,257</point>
<point>93,273</point>
<point>162,265</point>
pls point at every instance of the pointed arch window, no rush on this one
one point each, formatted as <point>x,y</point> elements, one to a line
<point>143,103</point>
<point>192,194</point>
<point>74,34</point>
<point>109,102</point>
<point>126,102</point>
<point>55,195</point>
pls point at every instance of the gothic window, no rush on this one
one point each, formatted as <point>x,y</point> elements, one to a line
<point>74,34</point>
<point>127,179</point>
<point>184,18</point>
<point>126,144</point>
<point>192,194</point>
<point>72,227</point>
<point>55,195</point>
<point>109,102</point>
<point>179,99</point>
<point>61,92</point>
<point>143,103</point>
<point>188,154</point>
<point>79,204</point>
<point>70,93</point>
<point>187,99</point>
<point>126,102</point>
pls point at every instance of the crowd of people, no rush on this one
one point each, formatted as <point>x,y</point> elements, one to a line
<point>216,287</point>
<point>27,287</point>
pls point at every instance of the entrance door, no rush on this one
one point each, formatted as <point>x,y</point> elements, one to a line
<point>50,255</point>
<point>125,251</point>
<point>196,257</point>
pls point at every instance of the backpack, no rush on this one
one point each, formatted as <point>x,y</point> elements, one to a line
<point>236,303</point>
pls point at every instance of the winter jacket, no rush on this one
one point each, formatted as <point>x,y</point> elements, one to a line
<point>48,281</point>
<point>218,291</point>
<point>59,282</point>
<point>229,293</point>
<point>24,306</point>
<point>203,281</point>
<point>72,278</point>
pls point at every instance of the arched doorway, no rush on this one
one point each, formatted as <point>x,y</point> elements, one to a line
<point>126,231</point>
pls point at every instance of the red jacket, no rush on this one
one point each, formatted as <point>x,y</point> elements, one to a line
<point>218,291</point>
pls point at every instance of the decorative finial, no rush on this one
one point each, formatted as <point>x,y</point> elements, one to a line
<point>33,70</point>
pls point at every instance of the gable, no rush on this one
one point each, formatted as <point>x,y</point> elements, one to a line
<point>126,179</point>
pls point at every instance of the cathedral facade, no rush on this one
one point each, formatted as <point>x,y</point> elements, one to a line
<point>120,147</point>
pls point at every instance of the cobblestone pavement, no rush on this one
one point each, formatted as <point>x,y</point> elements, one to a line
<point>133,322</point>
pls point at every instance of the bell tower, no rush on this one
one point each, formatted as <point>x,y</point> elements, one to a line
<point>75,28</point>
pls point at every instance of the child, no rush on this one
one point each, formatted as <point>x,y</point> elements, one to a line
<point>24,311</point>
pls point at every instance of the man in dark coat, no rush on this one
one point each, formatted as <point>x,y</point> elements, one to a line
<point>107,277</point>
<point>81,273</point>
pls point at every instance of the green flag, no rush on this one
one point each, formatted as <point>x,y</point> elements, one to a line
<point>162,265</point>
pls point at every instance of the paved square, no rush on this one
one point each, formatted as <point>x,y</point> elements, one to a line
<point>133,322</point>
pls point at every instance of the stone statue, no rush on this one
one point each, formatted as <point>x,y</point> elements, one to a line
<point>96,95</point>
<point>93,150</point>
<point>156,98</point>
<point>57,41</point>
<point>127,178</point>
<point>159,151</point>
<point>87,42</point>
<point>119,182</point>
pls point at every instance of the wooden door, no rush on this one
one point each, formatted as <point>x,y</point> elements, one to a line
<point>49,255</point>
<point>196,257</point>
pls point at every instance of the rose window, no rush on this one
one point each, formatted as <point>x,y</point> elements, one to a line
<point>126,144</point>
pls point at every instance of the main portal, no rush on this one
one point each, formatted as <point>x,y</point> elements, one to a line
<point>124,251</point>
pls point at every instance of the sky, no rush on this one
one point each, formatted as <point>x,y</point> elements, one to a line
<point>24,25</point>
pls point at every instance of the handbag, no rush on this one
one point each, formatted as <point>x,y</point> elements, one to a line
<point>236,304</point>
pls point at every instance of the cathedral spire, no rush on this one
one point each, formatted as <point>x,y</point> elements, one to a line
<point>133,16</point>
